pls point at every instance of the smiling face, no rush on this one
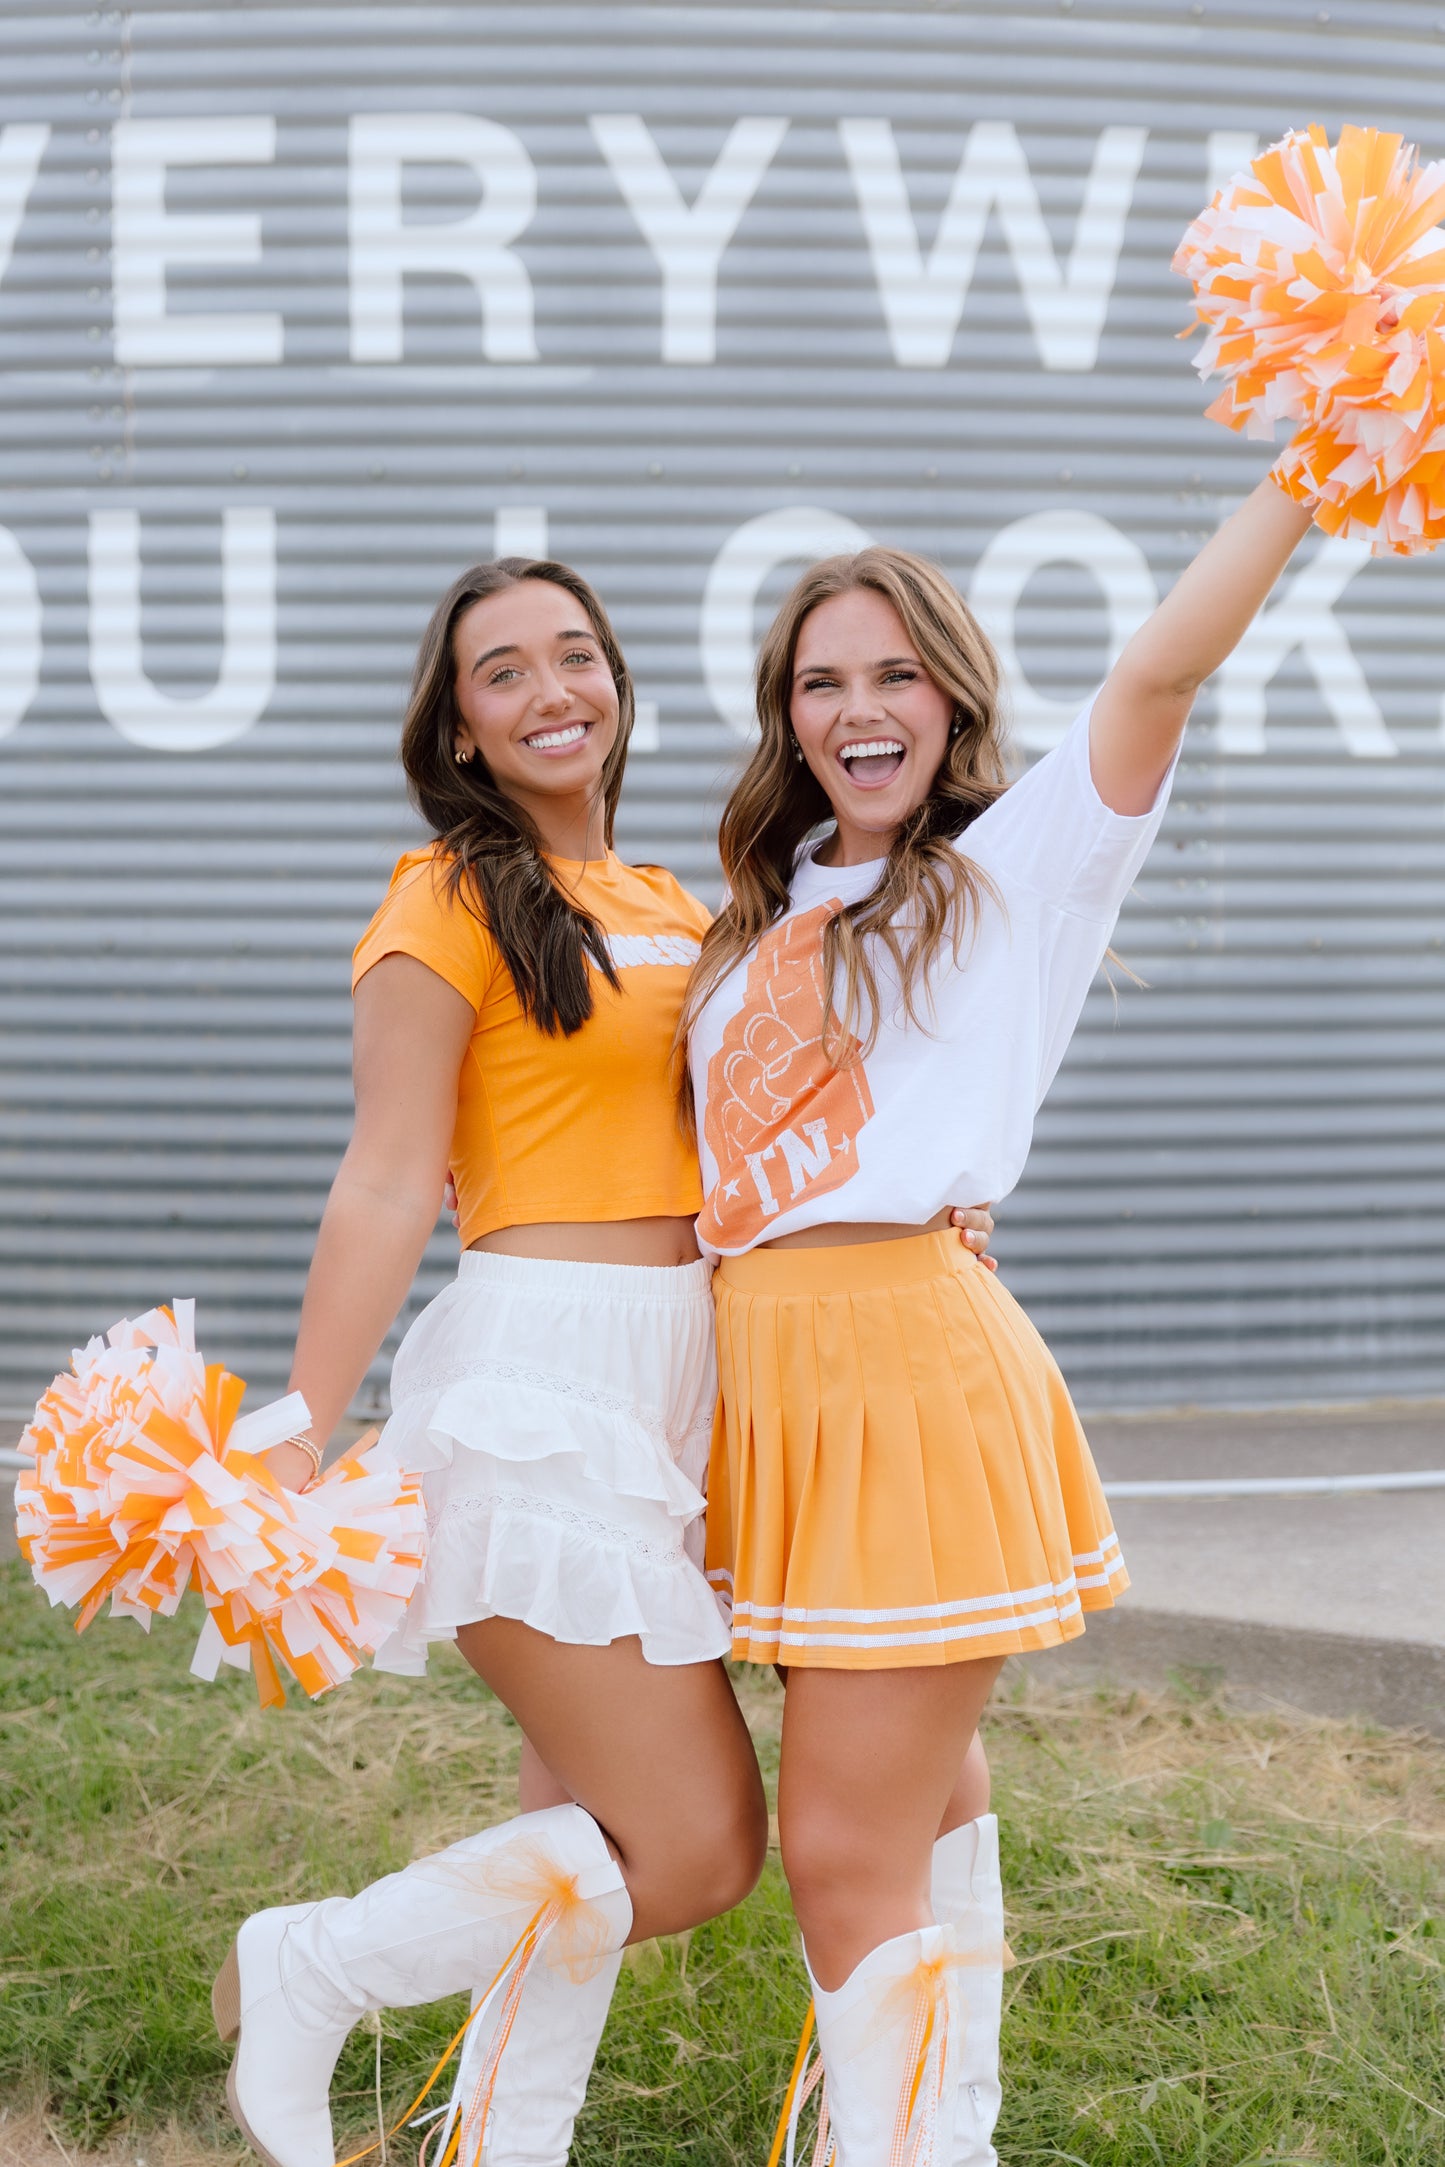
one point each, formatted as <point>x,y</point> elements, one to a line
<point>871,723</point>
<point>535,697</point>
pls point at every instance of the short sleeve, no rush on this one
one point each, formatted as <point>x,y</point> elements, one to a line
<point>698,916</point>
<point>668,889</point>
<point>422,916</point>
<point>1052,831</point>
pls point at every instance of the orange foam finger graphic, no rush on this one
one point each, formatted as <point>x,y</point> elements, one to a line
<point>782,1117</point>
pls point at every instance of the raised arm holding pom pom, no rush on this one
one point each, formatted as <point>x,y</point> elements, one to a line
<point>1140,713</point>
<point>929,957</point>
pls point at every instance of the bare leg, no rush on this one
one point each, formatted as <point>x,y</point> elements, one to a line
<point>536,1785</point>
<point>870,1761</point>
<point>658,1755</point>
<point>966,1801</point>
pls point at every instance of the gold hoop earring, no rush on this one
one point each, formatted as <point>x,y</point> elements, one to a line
<point>463,759</point>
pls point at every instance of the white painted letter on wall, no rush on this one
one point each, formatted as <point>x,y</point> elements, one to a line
<point>1227,152</point>
<point>247,678</point>
<point>1303,618</point>
<point>149,238</point>
<point>688,243</point>
<point>1005,569</point>
<point>22,146</point>
<point>19,632</point>
<point>384,247</point>
<point>923,302</point>
<point>799,533</point>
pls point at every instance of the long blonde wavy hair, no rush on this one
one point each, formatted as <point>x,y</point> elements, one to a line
<point>928,894</point>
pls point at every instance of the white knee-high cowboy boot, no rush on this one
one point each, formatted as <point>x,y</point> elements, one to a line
<point>542,2079</point>
<point>889,2038</point>
<point>968,1897</point>
<point>478,1914</point>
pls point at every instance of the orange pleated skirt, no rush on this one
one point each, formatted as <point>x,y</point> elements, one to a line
<point>898,1475</point>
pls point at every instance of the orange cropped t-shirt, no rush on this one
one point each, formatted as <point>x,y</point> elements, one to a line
<point>579,1128</point>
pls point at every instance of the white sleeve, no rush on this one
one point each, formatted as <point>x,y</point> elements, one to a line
<point>1052,831</point>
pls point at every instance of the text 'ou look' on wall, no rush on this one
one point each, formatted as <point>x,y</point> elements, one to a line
<point>921,296</point>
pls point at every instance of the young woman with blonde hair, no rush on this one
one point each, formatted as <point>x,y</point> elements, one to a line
<point>900,1493</point>
<point>516,1002</point>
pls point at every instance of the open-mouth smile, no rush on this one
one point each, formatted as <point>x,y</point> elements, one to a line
<point>871,762</point>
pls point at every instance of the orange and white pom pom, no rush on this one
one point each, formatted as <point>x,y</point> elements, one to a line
<point>1319,275</point>
<point>145,1483</point>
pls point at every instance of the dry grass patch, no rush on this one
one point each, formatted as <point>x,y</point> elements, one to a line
<point>1227,1922</point>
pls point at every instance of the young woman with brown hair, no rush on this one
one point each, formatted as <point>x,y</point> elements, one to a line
<point>900,1493</point>
<point>516,1002</point>
<point>516,997</point>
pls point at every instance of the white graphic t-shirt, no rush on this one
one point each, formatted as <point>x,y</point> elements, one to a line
<point>937,1114</point>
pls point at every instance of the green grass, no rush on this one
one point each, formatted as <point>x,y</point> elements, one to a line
<point>1227,1924</point>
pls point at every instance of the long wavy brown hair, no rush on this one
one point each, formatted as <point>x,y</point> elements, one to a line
<point>928,894</point>
<point>492,851</point>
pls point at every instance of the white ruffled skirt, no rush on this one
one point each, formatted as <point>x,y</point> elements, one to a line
<point>559,1416</point>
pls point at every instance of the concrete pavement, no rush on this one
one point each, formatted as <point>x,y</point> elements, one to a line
<point>1335,1604</point>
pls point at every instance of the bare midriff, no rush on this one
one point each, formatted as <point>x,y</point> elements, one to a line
<point>599,1241</point>
<point>841,1236</point>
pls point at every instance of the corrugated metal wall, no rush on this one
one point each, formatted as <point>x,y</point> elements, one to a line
<point>1237,1189</point>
